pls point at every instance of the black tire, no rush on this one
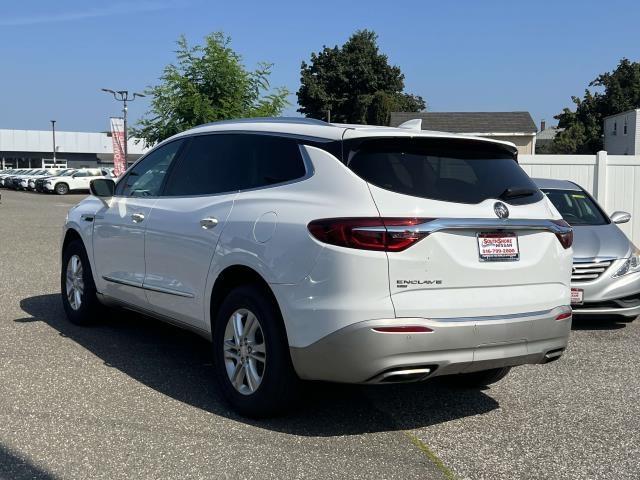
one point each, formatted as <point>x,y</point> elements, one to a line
<point>62,188</point>
<point>86,312</point>
<point>279,386</point>
<point>477,379</point>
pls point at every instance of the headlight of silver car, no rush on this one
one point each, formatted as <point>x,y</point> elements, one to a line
<point>631,265</point>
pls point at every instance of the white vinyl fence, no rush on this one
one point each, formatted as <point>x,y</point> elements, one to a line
<point>614,180</point>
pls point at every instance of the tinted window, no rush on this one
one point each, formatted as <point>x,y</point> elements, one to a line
<point>230,162</point>
<point>146,177</point>
<point>576,207</point>
<point>459,171</point>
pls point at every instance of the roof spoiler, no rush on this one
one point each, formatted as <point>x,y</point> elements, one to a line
<point>414,124</point>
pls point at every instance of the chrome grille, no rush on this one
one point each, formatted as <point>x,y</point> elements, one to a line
<point>587,271</point>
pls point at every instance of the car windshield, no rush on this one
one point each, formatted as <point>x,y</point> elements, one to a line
<point>576,207</point>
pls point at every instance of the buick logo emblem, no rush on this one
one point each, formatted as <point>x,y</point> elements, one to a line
<point>501,210</point>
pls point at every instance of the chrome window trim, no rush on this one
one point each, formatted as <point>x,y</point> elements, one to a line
<point>309,172</point>
<point>308,165</point>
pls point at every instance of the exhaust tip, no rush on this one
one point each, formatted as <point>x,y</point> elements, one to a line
<point>403,375</point>
<point>553,355</point>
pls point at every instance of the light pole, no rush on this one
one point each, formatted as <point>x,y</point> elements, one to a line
<point>53,130</point>
<point>123,96</point>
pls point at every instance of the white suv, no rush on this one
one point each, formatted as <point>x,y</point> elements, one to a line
<point>79,180</point>
<point>307,250</point>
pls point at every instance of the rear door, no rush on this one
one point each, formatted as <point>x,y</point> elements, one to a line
<point>484,247</point>
<point>186,224</point>
<point>215,172</point>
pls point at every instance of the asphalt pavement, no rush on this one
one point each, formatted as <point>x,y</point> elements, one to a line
<point>134,398</point>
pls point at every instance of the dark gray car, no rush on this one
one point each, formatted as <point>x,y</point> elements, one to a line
<point>606,265</point>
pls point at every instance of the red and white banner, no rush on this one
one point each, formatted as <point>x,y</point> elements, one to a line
<point>117,137</point>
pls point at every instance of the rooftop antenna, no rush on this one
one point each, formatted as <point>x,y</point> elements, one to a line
<point>414,124</point>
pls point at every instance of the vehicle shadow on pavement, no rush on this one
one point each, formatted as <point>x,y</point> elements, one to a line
<point>178,364</point>
<point>15,468</point>
<point>599,322</point>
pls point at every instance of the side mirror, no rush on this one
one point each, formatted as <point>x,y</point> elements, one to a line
<point>620,217</point>
<point>102,187</point>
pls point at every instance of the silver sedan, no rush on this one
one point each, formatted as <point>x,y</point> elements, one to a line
<point>606,265</point>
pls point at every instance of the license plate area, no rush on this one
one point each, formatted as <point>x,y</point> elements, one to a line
<point>577,296</point>
<point>498,247</point>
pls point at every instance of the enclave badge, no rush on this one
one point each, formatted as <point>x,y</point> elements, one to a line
<point>501,210</point>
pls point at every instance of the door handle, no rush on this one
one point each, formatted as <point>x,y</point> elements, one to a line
<point>208,222</point>
<point>137,217</point>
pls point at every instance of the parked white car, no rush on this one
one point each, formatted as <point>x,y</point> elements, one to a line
<point>346,253</point>
<point>79,180</point>
<point>30,183</point>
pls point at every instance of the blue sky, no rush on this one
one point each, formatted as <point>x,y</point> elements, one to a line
<point>459,55</point>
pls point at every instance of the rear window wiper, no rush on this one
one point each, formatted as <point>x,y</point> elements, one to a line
<point>517,192</point>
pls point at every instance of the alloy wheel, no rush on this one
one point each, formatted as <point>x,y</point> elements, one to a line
<point>244,351</point>
<point>75,282</point>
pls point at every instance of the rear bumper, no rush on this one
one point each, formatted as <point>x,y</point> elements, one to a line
<point>607,308</point>
<point>359,354</point>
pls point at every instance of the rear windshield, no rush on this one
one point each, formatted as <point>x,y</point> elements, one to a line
<point>576,207</point>
<point>460,171</point>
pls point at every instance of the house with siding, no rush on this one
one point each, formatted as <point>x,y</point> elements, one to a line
<point>516,127</point>
<point>622,133</point>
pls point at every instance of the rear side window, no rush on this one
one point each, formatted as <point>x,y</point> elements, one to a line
<point>219,163</point>
<point>461,171</point>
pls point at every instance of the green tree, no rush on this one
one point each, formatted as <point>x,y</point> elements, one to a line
<point>207,83</point>
<point>355,82</point>
<point>620,91</point>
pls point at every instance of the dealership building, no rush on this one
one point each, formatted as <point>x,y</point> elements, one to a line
<point>34,149</point>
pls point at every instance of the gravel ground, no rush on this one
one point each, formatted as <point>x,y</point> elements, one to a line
<point>134,398</point>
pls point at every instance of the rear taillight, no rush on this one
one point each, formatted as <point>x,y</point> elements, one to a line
<point>566,238</point>
<point>382,234</point>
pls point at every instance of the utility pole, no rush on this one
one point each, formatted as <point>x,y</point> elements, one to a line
<point>123,96</point>
<point>53,130</point>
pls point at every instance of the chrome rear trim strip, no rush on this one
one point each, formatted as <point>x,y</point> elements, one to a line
<point>510,316</point>
<point>440,224</point>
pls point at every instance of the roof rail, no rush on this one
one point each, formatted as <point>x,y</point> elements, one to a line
<point>298,120</point>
